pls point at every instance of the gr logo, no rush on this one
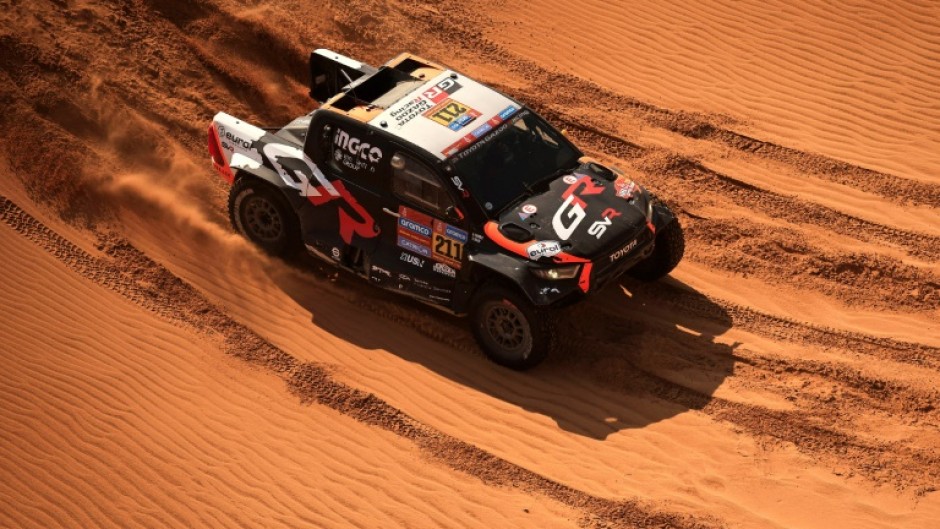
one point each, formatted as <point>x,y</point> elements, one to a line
<point>438,92</point>
<point>572,210</point>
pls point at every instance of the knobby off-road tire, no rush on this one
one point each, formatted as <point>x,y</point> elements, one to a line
<point>670,246</point>
<point>511,331</point>
<point>262,215</point>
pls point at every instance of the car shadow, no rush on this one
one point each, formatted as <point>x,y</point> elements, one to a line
<point>629,356</point>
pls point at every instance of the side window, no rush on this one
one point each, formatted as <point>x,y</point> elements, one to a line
<point>414,182</point>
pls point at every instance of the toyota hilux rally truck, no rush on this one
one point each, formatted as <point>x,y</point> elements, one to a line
<point>426,182</point>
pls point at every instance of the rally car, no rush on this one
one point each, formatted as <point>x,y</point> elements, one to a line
<point>423,181</point>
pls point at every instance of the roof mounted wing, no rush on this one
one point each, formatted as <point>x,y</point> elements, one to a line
<point>331,73</point>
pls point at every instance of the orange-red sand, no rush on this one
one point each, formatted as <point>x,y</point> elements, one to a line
<point>158,371</point>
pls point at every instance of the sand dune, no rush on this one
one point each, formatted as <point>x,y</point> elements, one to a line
<point>160,371</point>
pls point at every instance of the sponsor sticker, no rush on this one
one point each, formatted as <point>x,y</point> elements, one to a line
<point>507,112</point>
<point>452,114</point>
<point>354,153</point>
<point>481,130</point>
<point>529,209</point>
<point>455,233</point>
<point>625,187</point>
<point>380,270</point>
<point>569,179</point>
<point>470,139</point>
<point>412,259</point>
<point>409,110</point>
<point>414,231</point>
<point>448,244</point>
<point>412,246</point>
<point>543,249</point>
<point>414,227</point>
<point>444,270</point>
<point>458,183</point>
<point>441,90</point>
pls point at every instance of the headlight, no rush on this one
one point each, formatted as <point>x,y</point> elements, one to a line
<point>554,274</point>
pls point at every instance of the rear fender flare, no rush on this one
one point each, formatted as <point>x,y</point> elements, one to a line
<point>268,176</point>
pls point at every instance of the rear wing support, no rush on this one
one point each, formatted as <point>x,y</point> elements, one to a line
<point>331,73</point>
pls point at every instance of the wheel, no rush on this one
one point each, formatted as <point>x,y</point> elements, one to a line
<point>668,251</point>
<point>261,213</point>
<point>510,330</point>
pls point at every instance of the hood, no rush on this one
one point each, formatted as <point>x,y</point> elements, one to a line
<point>586,213</point>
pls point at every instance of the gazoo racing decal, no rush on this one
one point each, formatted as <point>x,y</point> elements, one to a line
<point>452,114</point>
<point>296,170</point>
<point>572,212</point>
<point>409,110</point>
<point>354,153</point>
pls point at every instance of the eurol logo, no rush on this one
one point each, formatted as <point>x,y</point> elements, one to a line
<point>411,225</point>
<point>543,249</point>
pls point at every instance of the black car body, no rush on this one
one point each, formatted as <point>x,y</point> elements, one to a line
<point>428,183</point>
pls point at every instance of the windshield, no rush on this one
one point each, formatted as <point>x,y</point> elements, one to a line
<point>518,155</point>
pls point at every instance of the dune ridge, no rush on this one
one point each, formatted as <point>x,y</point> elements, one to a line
<point>791,360</point>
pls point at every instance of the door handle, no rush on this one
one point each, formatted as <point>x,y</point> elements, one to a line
<point>390,212</point>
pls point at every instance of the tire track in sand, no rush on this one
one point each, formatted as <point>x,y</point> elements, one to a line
<point>694,178</point>
<point>570,90</point>
<point>135,276</point>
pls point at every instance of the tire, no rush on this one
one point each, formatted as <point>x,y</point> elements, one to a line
<point>511,331</point>
<point>670,246</point>
<point>261,213</point>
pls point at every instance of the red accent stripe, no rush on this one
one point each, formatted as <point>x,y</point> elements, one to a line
<point>218,159</point>
<point>491,229</point>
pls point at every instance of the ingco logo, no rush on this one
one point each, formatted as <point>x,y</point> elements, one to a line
<point>571,212</point>
<point>357,147</point>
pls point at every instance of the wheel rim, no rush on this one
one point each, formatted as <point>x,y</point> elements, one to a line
<point>506,327</point>
<point>262,219</point>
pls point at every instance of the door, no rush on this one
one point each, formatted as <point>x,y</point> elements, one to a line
<point>423,239</point>
<point>339,220</point>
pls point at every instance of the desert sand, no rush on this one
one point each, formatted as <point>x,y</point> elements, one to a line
<point>160,372</point>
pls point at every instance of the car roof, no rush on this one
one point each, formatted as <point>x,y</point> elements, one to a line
<point>421,102</point>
